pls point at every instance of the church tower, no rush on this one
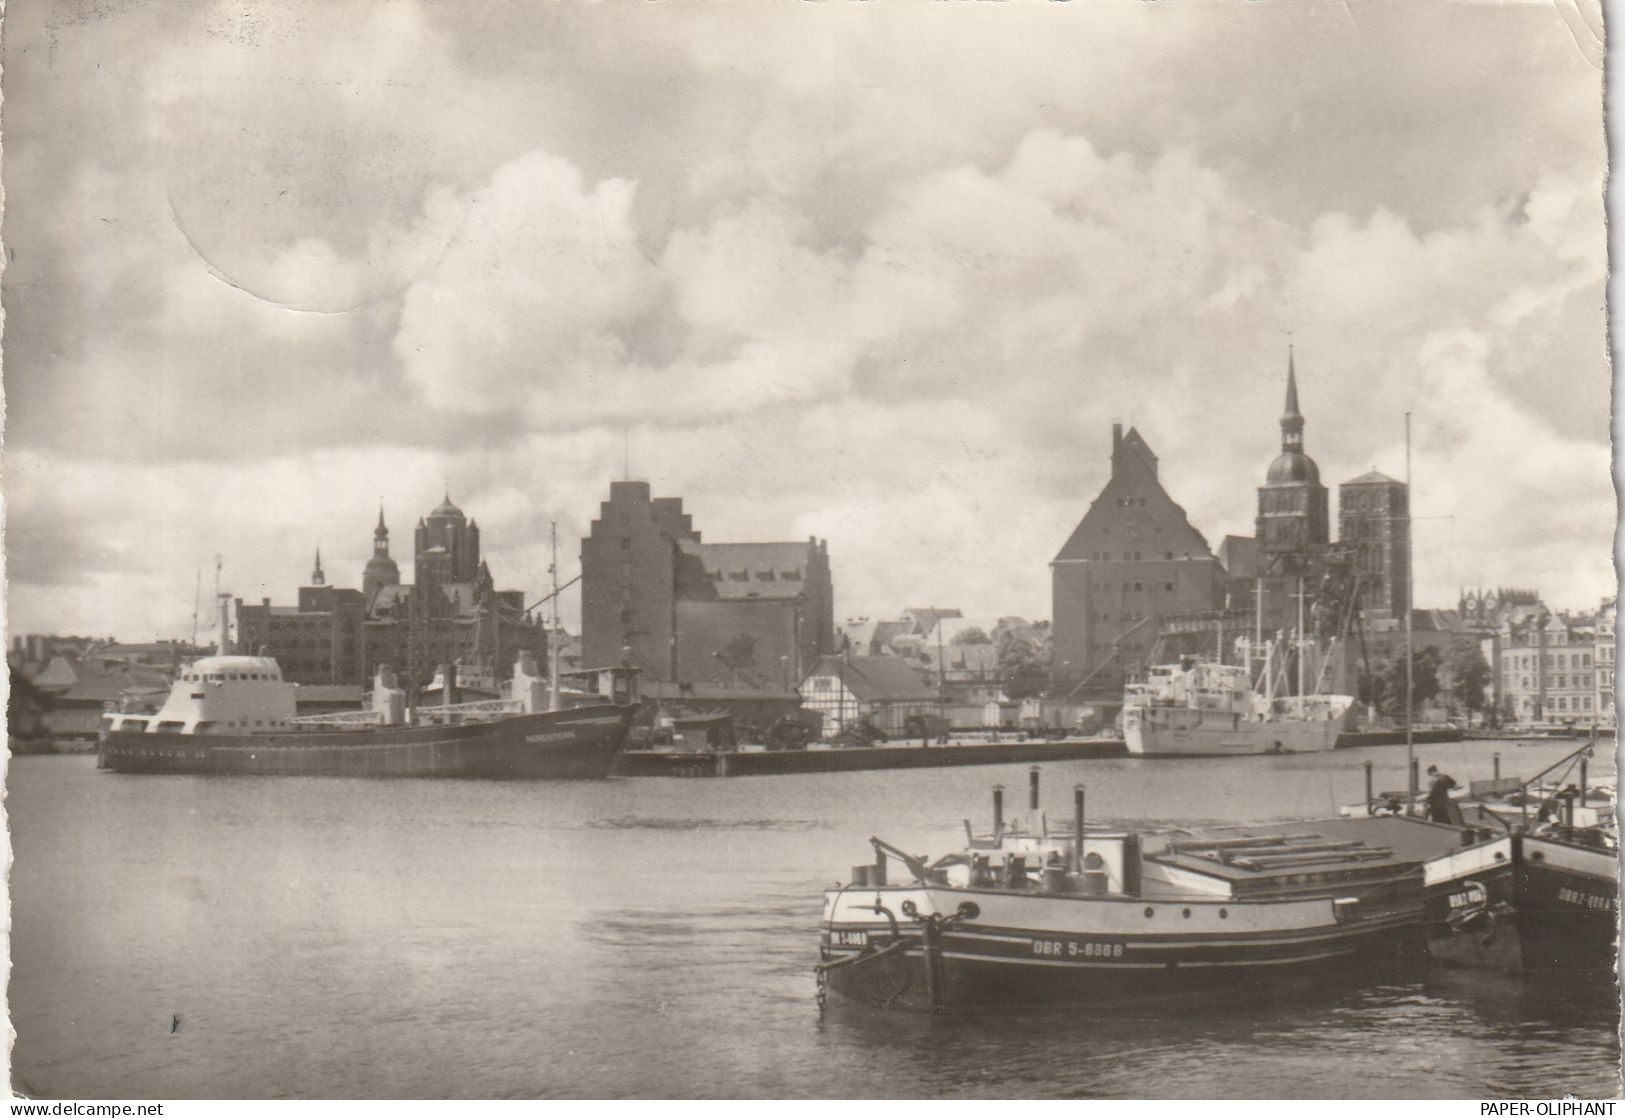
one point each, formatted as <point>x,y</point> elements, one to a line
<point>317,578</point>
<point>381,569</point>
<point>447,545</point>
<point>1293,515</point>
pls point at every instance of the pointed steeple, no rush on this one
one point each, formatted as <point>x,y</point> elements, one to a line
<point>317,578</point>
<point>380,537</point>
<point>1292,418</point>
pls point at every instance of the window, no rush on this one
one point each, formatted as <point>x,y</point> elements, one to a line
<point>765,576</point>
<point>790,576</point>
<point>1168,586</point>
<point>738,576</point>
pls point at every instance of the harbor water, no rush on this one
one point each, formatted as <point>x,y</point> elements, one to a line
<point>184,937</point>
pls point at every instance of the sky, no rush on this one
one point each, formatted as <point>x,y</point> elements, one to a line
<point>881,272</point>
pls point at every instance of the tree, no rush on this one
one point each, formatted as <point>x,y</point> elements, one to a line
<point>1373,690</point>
<point>972,635</point>
<point>1470,675</point>
<point>1424,681</point>
<point>1020,670</point>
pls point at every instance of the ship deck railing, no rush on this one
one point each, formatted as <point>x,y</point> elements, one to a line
<point>488,707</point>
<point>340,718</point>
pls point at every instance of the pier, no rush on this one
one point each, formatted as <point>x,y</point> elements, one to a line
<point>853,759</point>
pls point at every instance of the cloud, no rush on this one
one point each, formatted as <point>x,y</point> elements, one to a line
<point>883,274</point>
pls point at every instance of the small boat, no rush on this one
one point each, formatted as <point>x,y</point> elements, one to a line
<point>1536,888</point>
<point>1524,903</point>
<point>235,715</point>
<point>1031,914</point>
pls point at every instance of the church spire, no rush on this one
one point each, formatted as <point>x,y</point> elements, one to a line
<point>1292,418</point>
<point>380,537</point>
<point>317,578</point>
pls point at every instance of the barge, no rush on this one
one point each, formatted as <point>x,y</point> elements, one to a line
<point>1033,914</point>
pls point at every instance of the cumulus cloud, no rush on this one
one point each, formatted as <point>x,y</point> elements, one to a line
<point>881,274</point>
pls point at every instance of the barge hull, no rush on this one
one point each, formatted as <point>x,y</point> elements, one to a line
<point>1523,903</point>
<point>1083,950</point>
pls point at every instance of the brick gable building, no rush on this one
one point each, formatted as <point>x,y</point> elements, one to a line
<point>1133,559</point>
<point>731,614</point>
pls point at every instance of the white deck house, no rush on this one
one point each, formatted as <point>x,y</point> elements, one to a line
<point>881,690</point>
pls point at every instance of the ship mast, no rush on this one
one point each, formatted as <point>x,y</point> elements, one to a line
<point>1257,651</point>
<point>1303,644</point>
<point>1410,582</point>
<point>553,702</point>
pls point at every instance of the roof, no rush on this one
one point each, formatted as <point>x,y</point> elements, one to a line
<point>1436,621</point>
<point>1131,509</point>
<point>389,596</point>
<point>699,692</point>
<point>879,679</point>
<point>953,627</point>
<point>925,618</point>
<point>753,570</point>
<point>1135,443</point>
<point>444,508</point>
<point>1292,467</point>
<point>859,633</point>
<point>886,634</point>
<point>63,671</point>
<point>1373,477</point>
<point>101,688</point>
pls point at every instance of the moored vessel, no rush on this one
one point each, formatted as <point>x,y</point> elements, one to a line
<point>1536,889</point>
<point>1031,914</point>
<point>1202,708</point>
<point>236,715</point>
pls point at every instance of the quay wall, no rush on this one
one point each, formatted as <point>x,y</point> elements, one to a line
<point>650,763</point>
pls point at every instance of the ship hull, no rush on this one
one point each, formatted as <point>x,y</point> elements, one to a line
<point>1178,732</point>
<point>1030,950</point>
<point>1524,903</point>
<point>577,744</point>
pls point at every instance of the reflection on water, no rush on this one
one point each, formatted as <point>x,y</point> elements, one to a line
<point>335,938</point>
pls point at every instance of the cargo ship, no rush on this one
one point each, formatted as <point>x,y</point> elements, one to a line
<point>234,715</point>
<point>1208,708</point>
<point>1199,708</point>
